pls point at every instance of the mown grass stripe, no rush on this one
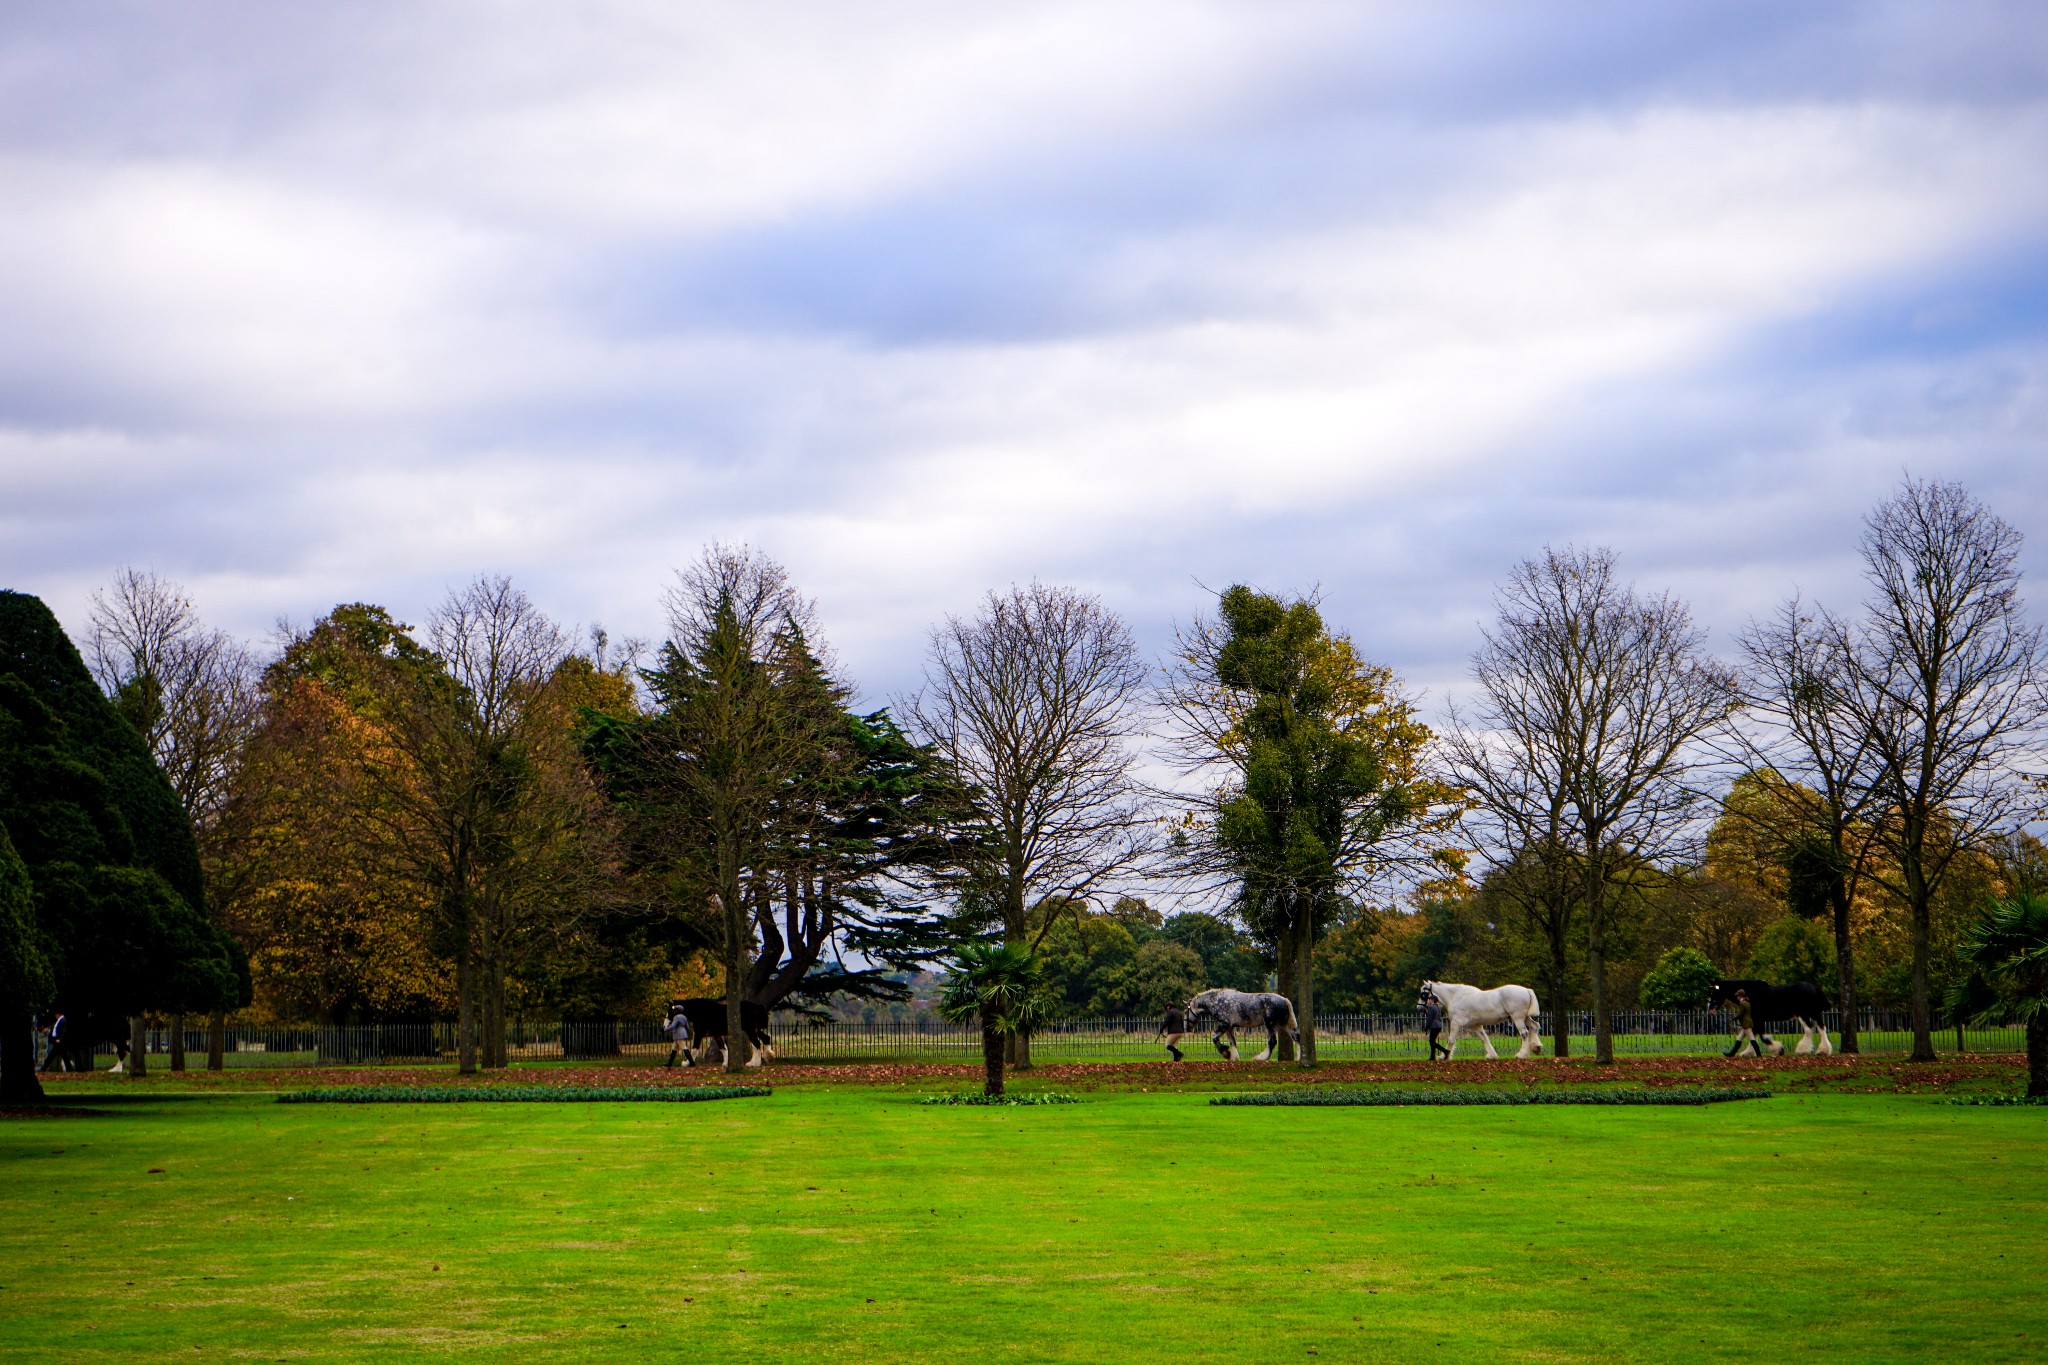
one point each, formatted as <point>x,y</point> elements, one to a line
<point>518,1094</point>
<point>1672,1095</point>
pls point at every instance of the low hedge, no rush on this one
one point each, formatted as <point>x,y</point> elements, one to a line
<point>1999,1101</point>
<point>1029,1097</point>
<point>519,1094</point>
<point>1679,1094</point>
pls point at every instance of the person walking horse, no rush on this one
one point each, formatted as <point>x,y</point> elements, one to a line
<point>677,1026</point>
<point>1172,1028</point>
<point>56,1058</point>
<point>1745,1027</point>
<point>1433,1020</point>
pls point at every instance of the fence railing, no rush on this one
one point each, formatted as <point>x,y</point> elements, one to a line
<point>925,1037</point>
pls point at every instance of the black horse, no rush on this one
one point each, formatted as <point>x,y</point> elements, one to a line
<point>78,1040</point>
<point>1802,1002</point>
<point>706,1018</point>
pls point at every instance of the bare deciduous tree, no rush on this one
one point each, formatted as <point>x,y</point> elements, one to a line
<point>1794,686</point>
<point>1943,680</point>
<point>1593,701</point>
<point>194,695</point>
<point>514,770</point>
<point>1524,822</point>
<point>190,691</point>
<point>1034,703</point>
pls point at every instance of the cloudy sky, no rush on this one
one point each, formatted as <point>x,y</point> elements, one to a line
<point>308,304</point>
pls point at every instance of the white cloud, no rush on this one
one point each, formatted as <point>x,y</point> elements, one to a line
<point>924,300</point>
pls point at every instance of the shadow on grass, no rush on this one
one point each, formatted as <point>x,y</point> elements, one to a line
<point>92,1106</point>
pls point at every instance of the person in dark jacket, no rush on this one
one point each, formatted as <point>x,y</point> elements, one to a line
<point>53,1058</point>
<point>1433,1020</point>
<point>1745,1027</point>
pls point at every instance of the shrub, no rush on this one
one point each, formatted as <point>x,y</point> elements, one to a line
<point>1679,981</point>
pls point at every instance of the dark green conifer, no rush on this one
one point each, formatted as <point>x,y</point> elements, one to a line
<point>116,895</point>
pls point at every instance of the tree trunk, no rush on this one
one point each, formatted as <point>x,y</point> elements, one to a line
<point>138,1047</point>
<point>2037,1054</point>
<point>1017,1047</point>
<point>177,1042</point>
<point>1560,1001</point>
<point>738,1050</point>
<point>1845,969</point>
<point>991,1061</point>
<point>18,1081</point>
<point>1596,962</point>
<point>1923,1020</point>
<point>465,1010</point>
<point>1305,990</point>
<point>1285,958</point>
<point>216,1040</point>
<point>494,1013</point>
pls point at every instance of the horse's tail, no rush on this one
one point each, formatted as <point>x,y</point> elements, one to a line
<point>1292,1022</point>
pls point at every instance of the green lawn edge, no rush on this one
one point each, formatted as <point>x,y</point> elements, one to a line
<point>1691,1095</point>
<point>520,1094</point>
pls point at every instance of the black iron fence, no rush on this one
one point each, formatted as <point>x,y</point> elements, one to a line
<point>925,1037</point>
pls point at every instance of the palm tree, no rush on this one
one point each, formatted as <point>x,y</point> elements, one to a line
<point>2008,954</point>
<point>1003,986</point>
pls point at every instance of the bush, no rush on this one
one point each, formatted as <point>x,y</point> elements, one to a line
<point>1679,981</point>
<point>976,1097</point>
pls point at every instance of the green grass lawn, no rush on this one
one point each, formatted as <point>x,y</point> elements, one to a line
<point>847,1223</point>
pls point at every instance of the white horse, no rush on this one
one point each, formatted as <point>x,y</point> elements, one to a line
<point>1468,1007</point>
<point>1233,1010</point>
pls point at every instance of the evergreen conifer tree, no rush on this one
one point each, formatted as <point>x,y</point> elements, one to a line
<point>112,871</point>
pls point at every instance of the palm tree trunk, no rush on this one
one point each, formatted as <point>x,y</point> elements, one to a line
<point>2037,1054</point>
<point>991,1060</point>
